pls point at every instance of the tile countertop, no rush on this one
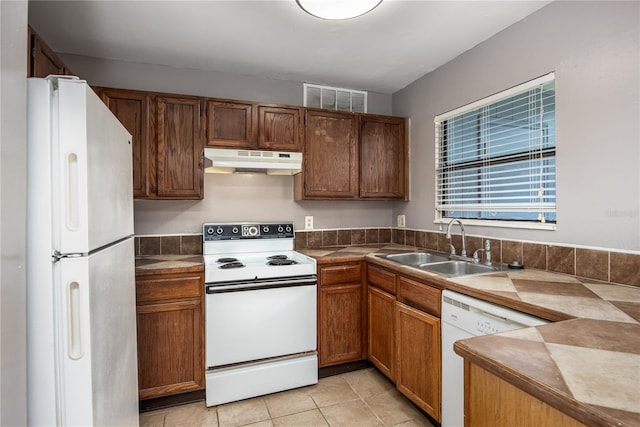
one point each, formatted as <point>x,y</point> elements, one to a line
<point>162,264</point>
<point>587,364</point>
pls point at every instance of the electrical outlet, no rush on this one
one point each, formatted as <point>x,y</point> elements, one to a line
<point>401,221</point>
<point>308,222</point>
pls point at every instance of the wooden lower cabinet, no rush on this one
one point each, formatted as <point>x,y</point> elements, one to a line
<point>490,401</point>
<point>170,326</point>
<point>382,331</point>
<point>340,314</point>
<point>418,358</point>
<point>404,335</point>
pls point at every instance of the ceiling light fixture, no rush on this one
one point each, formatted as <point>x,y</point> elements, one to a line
<point>337,9</point>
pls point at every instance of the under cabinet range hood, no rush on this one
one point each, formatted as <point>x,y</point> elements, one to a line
<point>228,160</point>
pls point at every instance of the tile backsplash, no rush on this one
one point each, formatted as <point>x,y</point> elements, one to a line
<point>169,245</point>
<point>610,266</point>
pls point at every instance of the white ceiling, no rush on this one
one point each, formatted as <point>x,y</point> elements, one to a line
<point>382,51</point>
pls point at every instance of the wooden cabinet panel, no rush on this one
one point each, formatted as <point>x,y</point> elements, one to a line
<point>43,61</point>
<point>180,170</point>
<point>383,157</point>
<point>280,128</point>
<point>490,401</point>
<point>419,295</point>
<point>331,156</point>
<point>341,319</point>
<point>418,354</point>
<point>344,273</point>
<point>382,278</point>
<point>170,327</point>
<point>132,110</point>
<point>168,286</point>
<point>340,332</point>
<point>381,320</point>
<point>231,124</point>
<point>170,353</point>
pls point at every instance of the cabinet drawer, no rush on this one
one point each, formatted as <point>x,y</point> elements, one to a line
<point>382,279</point>
<point>166,287</point>
<point>346,273</point>
<point>419,295</point>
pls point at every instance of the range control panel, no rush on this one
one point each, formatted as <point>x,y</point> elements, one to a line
<point>280,230</point>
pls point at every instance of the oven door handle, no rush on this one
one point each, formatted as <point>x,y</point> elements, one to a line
<point>259,285</point>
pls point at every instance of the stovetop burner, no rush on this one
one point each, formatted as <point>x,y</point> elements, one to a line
<point>235,264</point>
<point>226,260</point>
<point>281,261</point>
<point>243,251</point>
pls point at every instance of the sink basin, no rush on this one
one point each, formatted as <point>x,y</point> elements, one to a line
<point>456,268</point>
<point>416,258</point>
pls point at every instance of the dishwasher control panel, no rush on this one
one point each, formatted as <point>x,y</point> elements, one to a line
<point>479,317</point>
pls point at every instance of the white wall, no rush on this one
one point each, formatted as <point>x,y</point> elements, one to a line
<point>131,75</point>
<point>230,197</point>
<point>250,197</point>
<point>13,141</point>
<point>594,49</point>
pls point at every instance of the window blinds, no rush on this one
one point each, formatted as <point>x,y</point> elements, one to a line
<point>495,158</point>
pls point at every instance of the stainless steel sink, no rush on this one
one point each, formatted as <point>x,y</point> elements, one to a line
<point>457,268</point>
<point>416,258</point>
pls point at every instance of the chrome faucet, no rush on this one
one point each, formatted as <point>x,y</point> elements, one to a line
<point>486,251</point>
<point>464,246</point>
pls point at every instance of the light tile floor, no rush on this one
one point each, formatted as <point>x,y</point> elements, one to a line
<point>360,398</point>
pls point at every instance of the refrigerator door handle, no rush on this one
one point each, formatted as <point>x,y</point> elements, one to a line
<point>73,210</point>
<point>76,348</point>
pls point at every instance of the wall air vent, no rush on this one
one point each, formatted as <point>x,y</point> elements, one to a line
<point>334,98</point>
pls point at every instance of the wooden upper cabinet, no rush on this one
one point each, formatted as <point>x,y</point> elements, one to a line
<point>330,156</point>
<point>383,157</point>
<point>42,60</point>
<point>180,168</point>
<point>231,124</point>
<point>247,125</point>
<point>280,127</point>
<point>132,109</point>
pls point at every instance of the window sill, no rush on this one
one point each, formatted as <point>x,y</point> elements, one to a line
<point>501,224</point>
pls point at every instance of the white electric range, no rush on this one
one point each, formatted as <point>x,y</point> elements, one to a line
<point>260,311</point>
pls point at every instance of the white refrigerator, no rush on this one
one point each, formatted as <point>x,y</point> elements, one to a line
<point>81,314</point>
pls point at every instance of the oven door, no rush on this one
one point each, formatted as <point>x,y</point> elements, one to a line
<point>251,321</point>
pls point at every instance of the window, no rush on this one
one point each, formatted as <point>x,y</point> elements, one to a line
<point>496,158</point>
<point>333,98</point>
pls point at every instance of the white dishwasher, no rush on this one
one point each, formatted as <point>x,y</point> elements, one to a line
<point>466,317</point>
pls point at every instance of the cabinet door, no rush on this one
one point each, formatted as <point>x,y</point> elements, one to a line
<point>230,124</point>
<point>170,348</point>
<point>280,128</point>
<point>383,158</point>
<point>132,109</point>
<point>482,392</point>
<point>382,331</point>
<point>418,346</point>
<point>340,332</point>
<point>180,170</point>
<point>43,61</point>
<point>331,156</point>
